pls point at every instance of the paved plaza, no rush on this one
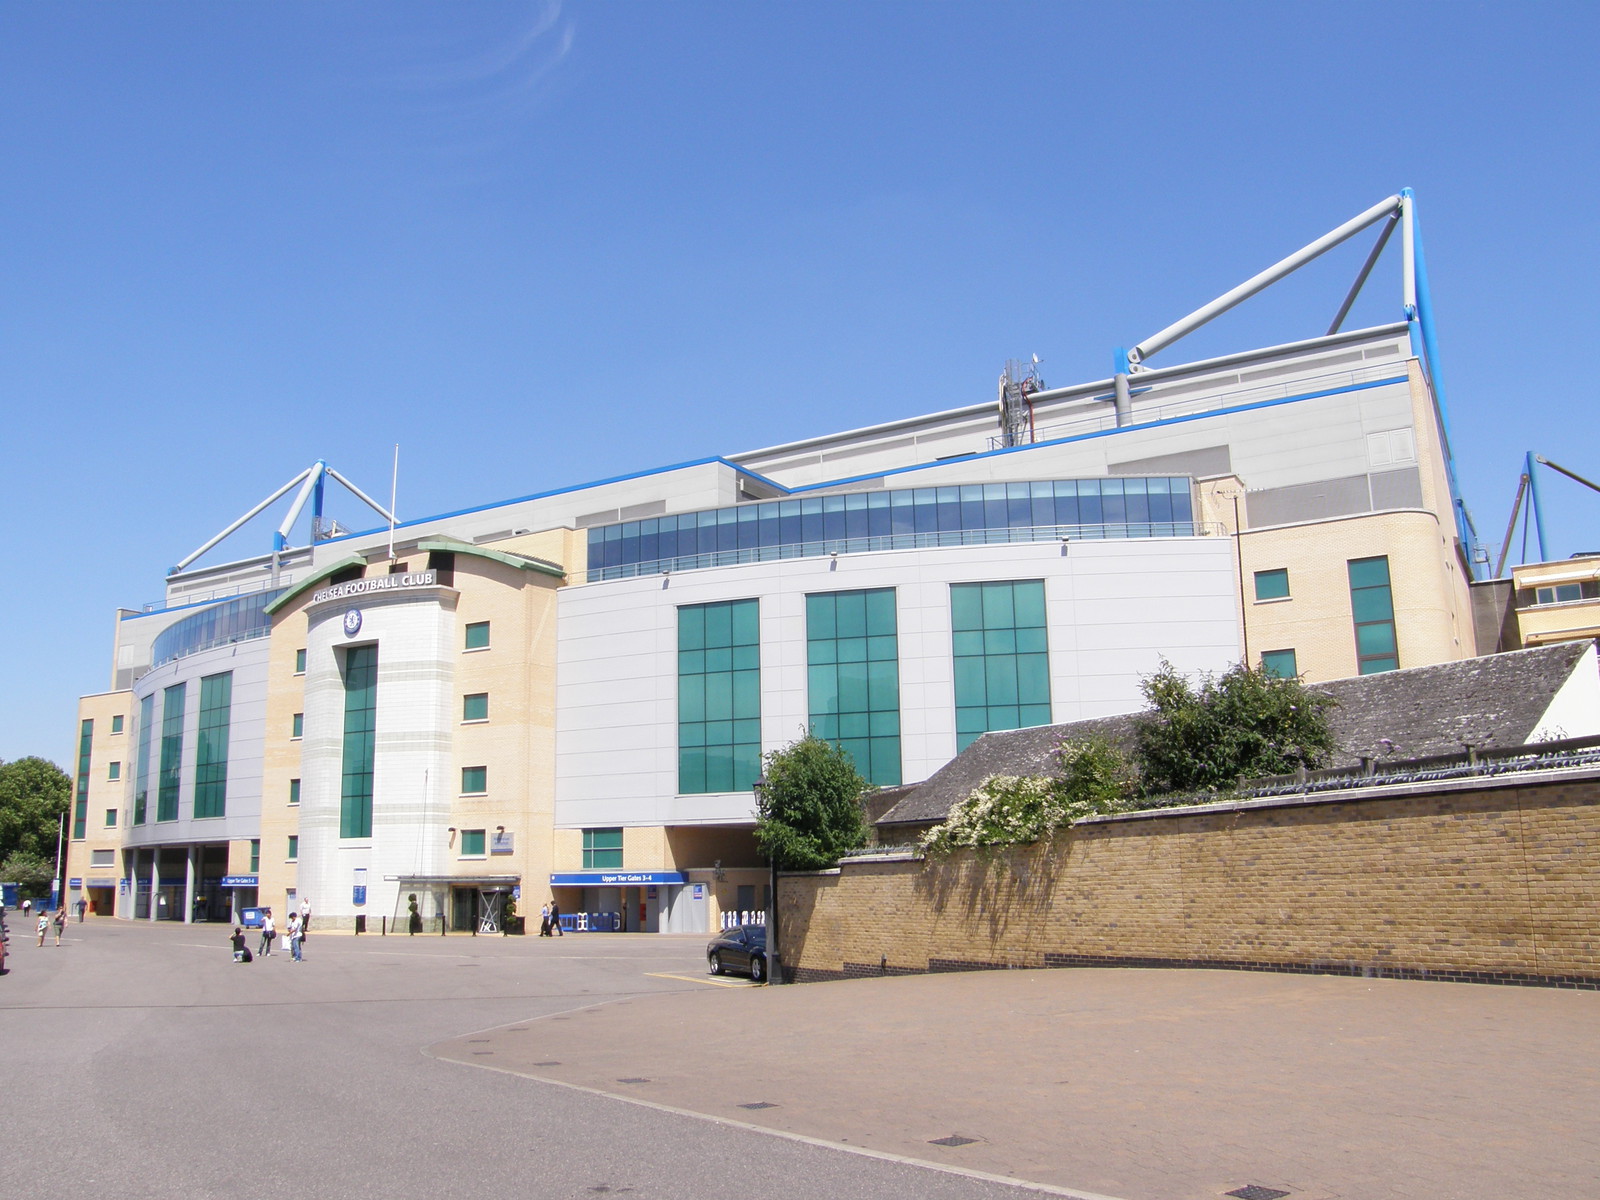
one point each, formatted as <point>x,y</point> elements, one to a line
<point>141,1062</point>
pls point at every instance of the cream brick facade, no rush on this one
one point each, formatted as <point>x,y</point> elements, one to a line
<point>95,857</point>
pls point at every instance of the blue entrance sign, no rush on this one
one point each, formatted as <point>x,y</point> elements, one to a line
<point>240,880</point>
<point>612,878</point>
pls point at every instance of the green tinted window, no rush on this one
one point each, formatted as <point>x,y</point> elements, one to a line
<point>171,753</point>
<point>297,725</point>
<point>294,791</point>
<point>477,635</point>
<point>255,855</point>
<point>472,842</point>
<point>1001,657</point>
<point>1272,585</point>
<point>1280,663</point>
<point>294,847</point>
<point>299,662</point>
<point>1372,606</point>
<point>719,696</point>
<point>80,807</point>
<point>853,678</point>
<point>211,755</point>
<point>141,783</point>
<point>602,849</point>
<point>474,780</point>
<point>360,735</point>
<point>116,724</point>
<point>475,707</point>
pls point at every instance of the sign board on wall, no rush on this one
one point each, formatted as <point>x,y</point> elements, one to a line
<point>612,878</point>
<point>376,585</point>
<point>500,842</point>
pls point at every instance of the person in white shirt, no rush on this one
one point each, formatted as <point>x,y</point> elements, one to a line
<point>268,932</point>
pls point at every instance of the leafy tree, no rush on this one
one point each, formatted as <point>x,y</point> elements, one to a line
<point>34,792</point>
<point>1249,722</point>
<point>31,872</point>
<point>810,813</point>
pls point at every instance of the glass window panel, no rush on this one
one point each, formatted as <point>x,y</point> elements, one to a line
<point>1371,604</point>
<point>1280,663</point>
<point>1000,679</point>
<point>475,707</point>
<point>852,649</point>
<point>822,650</point>
<point>719,696</point>
<point>1373,666</point>
<point>880,649</point>
<point>852,615</point>
<point>477,635</point>
<point>970,642</point>
<point>1272,585</point>
<point>966,606</point>
<point>1033,679</point>
<point>719,660</point>
<point>1373,639</point>
<point>1369,572</point>
<point>819,617</point>
<point>1029,604</point>
<point>1030,715</point>
<point>692,697</point>
<point>1000,641</point>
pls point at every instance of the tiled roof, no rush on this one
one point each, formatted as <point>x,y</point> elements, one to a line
<point>1496,700</point>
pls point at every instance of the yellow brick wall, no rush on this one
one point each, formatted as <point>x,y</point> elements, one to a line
<point>280,762</point>
<point>1497,879</point>
<point>104,793</point>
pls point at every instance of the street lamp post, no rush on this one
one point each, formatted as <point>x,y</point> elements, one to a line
<point>774,969</point>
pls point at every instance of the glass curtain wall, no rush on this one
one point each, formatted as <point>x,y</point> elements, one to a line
<point>856,522</point>
<point>80,807</point>
<point>360,728</point>
<point>853,678</point>
<point>141,784</point>
<point>1002,659</point>
<point>172,701</point>
<point>211,754</point>
<point>719,696</point>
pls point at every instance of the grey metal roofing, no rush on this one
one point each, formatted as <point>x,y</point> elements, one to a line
<point>1496,700</point>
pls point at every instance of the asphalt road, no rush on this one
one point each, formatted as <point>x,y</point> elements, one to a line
<point>140,1061</point>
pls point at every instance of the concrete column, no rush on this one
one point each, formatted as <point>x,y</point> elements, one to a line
<point>188,886</point>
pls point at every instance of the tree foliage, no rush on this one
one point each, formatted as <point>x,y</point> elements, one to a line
<point>1003,810</point>
<point>1246,723</point>
<point>31,872</point>
<point>34,792</point>
<point>810,812</point>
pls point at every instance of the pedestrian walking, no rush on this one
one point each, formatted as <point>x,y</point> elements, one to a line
<point>544,921</point>
<point>268,932</point>
<point>44,925</point>
<point>83,906</point>
<point>555,918</point>
<point>305,918</point>
<point>60,922</point>
<point>296,931</point>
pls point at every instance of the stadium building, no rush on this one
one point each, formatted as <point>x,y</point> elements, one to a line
<point>569,694</point>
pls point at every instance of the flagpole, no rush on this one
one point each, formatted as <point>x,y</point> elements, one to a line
<point>394,487</point>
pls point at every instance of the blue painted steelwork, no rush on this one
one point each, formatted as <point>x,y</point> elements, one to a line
<point>316,495</point>
<point>1538,512</point>
<point>1425,345</point>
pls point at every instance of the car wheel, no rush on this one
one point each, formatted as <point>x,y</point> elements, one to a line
<point>758,969</point>
<point>714,960</point>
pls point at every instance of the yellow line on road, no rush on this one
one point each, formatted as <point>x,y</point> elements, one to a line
<point>698,979</point>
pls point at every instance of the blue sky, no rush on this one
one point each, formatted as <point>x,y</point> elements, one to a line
<point>539,244</point>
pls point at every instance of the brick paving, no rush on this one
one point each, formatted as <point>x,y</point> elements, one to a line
<point>1136,1084</point>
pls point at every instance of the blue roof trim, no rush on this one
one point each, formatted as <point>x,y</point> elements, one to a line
<point>715,459</point>
<point>1084,437</point>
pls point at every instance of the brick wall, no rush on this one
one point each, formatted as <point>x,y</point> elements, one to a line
<point>1492,880</point>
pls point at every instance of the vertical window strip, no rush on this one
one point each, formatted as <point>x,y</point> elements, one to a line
<point>1001,657</point>
<point>211,753</point>
<point>1372,607</point>
<point>141,785</point>
<point>80,807</point>
<point>171,775</point>
<point>719,696</point>
<point>853,678</point>
<point>360,726</point>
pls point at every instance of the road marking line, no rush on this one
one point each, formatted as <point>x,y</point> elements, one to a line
<point>1025,1185</point>
<point>698,979</point>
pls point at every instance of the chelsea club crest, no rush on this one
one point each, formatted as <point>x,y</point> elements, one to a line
<point>352,622</point>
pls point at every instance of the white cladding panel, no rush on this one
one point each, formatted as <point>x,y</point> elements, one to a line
<point>247,718</point>
<point>1115,608</point>
<point>415,633</point>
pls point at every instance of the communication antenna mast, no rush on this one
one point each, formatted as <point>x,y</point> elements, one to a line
<point>1018,382</point>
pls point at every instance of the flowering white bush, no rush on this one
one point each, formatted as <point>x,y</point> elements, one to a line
<point>1007,810</point>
